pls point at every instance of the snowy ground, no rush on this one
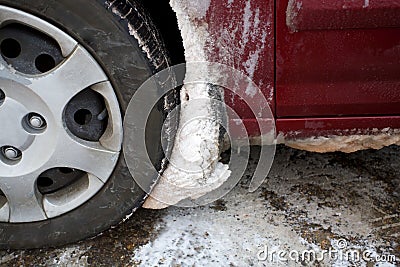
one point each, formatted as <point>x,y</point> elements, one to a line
<point>310,201</point>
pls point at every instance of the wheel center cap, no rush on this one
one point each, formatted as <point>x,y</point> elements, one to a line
<point>12,115</point>
<point>20,111</point>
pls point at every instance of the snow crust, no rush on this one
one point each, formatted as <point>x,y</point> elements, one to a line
<point>194,169</point>
<point>345,143</point>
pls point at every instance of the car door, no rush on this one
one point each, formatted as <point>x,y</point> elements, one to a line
<point>337,58</point>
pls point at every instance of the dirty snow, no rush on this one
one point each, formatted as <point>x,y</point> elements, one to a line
<point>309,201</point>
<point>345,143</point>
<point>196,9</point>
<point>200,139</point>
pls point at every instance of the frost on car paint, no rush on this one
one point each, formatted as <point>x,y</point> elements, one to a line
<point>292,12</point>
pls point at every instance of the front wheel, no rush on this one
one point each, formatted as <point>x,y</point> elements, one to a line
<point>68,70</point>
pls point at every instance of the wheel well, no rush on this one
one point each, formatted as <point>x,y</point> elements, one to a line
<point>165,20</point>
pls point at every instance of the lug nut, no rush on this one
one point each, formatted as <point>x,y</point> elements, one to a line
<point>12,153</point>
<point>36,122</point>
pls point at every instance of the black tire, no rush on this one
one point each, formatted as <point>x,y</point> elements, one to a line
<point>97,26</point>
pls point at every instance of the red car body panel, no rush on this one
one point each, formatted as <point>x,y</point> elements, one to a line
<point>325,67</point>
<point>242,36</point>
<point>337,62</point>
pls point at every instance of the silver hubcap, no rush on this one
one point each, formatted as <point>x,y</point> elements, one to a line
<point>34,136</point>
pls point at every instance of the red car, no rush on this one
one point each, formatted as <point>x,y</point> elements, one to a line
<point>71,166</point>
